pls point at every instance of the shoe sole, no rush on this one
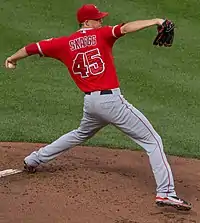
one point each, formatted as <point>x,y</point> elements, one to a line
<point>177,206</point>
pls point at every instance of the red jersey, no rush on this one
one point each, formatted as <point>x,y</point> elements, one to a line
<point>87,54</point>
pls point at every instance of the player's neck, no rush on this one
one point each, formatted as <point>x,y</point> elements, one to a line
<point>86,27</point>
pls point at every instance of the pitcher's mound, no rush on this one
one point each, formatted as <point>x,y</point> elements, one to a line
<point>92,185</point>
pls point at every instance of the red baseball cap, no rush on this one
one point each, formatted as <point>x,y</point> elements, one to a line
<point>89,12</point>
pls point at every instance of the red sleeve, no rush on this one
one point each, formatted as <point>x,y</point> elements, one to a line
<point>112,33</point>
<point>48,47</point>
<point>51,47</point>
<point>116,31</point>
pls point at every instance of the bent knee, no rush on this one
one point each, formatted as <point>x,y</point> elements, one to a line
<point>82,134</point>
<point>158,138</point>
<point>155,142</point>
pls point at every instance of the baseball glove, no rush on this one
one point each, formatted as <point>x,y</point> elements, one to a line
<point>165,35</point>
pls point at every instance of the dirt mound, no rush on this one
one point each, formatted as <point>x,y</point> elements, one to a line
<point>92,185</point>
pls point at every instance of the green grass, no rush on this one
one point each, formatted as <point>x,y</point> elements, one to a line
<point>39,102</point>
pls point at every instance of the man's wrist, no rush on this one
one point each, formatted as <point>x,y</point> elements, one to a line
<point>12,60</point>
<point>159,22</point>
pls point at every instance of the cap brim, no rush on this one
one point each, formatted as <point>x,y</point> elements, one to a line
<point>102,15</point>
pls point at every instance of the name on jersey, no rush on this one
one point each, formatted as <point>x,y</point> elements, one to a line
<point>82,42</point>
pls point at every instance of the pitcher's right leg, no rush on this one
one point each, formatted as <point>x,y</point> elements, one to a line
<point>132,122</point>
<point>138,128</point>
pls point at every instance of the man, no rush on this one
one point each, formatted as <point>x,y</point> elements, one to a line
<point>87,54</point>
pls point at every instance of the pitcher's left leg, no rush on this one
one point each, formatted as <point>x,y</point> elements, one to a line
<point>89,126</point>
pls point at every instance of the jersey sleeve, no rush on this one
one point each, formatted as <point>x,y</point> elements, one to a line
<point>51,47</point>
<point>112,33</point>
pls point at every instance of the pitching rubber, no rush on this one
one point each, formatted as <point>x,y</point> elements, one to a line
<point>8,172</point>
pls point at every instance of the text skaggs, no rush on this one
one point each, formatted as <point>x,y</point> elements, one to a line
<point>82,42</point>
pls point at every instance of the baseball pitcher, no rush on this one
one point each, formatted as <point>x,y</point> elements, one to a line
<point>87,54</point>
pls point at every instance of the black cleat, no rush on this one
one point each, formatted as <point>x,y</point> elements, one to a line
<point>29,169</point>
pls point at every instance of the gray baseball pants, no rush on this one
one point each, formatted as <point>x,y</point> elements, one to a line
<point>101,110</point>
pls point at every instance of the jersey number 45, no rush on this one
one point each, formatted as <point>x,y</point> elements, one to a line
<point>88,63</point>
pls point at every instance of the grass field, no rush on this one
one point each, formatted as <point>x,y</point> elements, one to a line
<point>39,102</point>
